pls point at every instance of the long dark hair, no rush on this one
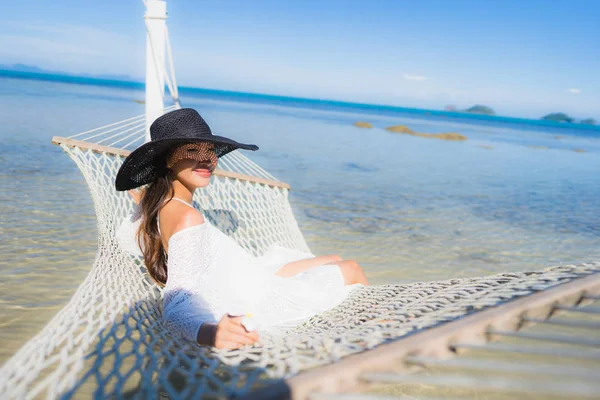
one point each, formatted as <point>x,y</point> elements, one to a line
<point>148,236</point>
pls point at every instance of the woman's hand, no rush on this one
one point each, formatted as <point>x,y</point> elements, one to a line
<point>231,334</point>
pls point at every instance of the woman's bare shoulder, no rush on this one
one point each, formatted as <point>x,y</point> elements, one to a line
<point>175,216</point>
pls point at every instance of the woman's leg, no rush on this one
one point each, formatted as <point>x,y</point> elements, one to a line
<point>352,272</point>
<point>295,267</point>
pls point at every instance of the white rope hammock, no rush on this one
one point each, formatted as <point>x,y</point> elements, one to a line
<point>109,340</point>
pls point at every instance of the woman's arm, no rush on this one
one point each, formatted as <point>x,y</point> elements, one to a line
<point>295,267</point>
<point>183,315</point>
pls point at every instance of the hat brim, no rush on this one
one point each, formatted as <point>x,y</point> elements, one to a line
<point>148,162</point>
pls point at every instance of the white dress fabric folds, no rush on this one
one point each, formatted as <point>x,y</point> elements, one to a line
<point>210,275</point>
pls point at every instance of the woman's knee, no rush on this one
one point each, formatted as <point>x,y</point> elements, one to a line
<point>354,266</point>
<point>352,272</point>
<point>335,258</point>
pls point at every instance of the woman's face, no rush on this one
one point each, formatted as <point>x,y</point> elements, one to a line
<point>193,164</point>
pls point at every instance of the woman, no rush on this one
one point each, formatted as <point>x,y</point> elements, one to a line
<point>210,281</point>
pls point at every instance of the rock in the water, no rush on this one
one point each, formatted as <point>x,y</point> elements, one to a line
<point>446,136</point>
<point>485,146</point>
<point>400,129</point>
<point>579,150</point>
<point>362,124</point>
<point>140,101</point>
<point>442,136</point>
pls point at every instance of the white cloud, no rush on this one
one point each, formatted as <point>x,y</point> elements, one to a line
<point>418,78</point>
<point>574,91</point>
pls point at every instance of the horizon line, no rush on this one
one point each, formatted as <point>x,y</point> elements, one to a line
<point>64,77</point>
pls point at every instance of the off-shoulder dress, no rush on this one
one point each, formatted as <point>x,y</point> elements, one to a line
<point>210,275</point>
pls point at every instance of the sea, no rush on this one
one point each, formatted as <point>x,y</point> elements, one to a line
<point>517,195</point>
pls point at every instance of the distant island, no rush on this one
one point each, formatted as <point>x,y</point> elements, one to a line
<point>562,117</point>
<point>554,117</point>
<point>558,117</point>
<point>476,109</point>
<point>479,109</point>
<point>37,70</point>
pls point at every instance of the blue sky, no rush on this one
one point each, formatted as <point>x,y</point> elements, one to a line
<point>523,58</point>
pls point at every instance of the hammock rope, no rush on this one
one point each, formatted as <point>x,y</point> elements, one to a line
<point>110,341</point>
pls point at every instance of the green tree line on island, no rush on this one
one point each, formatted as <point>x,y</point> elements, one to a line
<point>556,116</point>
<point>562,117</point>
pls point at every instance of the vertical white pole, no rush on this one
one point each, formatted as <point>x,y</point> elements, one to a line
<point>156,16</point>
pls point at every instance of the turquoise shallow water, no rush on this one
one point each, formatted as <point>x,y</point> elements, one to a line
<point>513,197</point>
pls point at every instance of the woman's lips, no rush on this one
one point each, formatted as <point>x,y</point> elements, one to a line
<point>205,173</point>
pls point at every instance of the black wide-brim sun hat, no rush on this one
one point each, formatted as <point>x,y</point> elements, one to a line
<point>148,162</point>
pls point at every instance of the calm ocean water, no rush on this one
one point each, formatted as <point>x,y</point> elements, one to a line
<point>513,197</point>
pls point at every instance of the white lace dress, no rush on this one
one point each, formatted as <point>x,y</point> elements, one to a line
<point>210,275</point>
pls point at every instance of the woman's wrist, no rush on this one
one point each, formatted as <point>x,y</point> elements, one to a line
<point>207,334</point>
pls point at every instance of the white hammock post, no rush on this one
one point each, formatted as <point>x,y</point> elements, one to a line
<point>156,19</point>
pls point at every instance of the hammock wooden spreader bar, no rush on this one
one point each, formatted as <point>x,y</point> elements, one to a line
<point>115,151</point>
<point>389,362</point>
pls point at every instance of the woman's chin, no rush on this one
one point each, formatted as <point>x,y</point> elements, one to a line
<point>200,182</point>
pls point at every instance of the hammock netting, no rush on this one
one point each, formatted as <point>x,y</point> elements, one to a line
<point>110,340</point>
